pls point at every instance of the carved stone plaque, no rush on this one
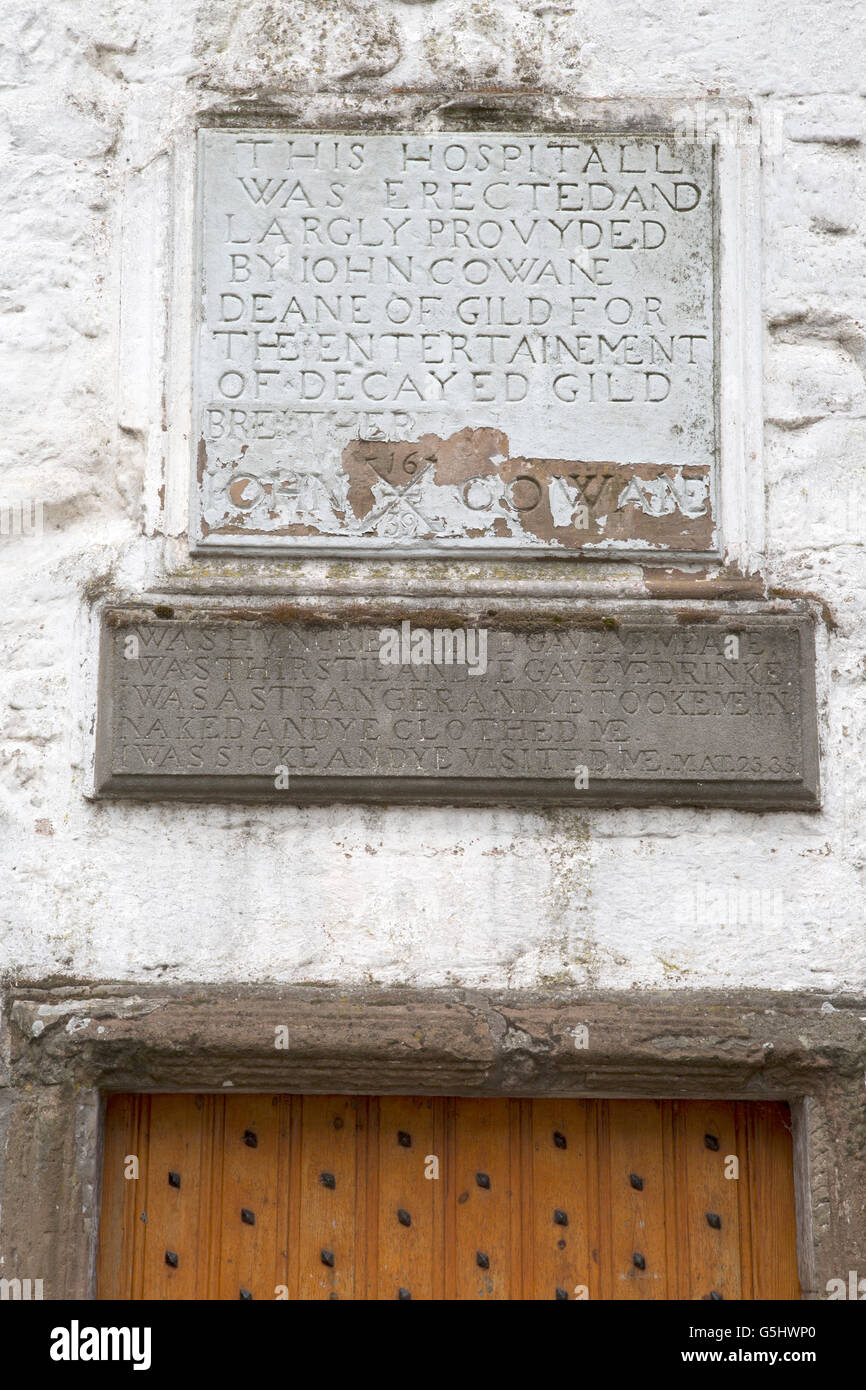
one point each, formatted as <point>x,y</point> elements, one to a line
<point>451,344</point>
<point>590,710</point>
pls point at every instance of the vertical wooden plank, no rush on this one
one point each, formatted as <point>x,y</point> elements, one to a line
<point>743,1183</point>
<point>407,1198</point>
<point>637,1200</point>
<point>674,1262</point>
<point>139,1234</point>
<point>608,1283</point>
<point>173,1199</point>
<point>437,1151</point>
<point>561,1232</point>
<point>248,1212</point>
<point>283,1219</point>
<point>526,1189</point>
<point>771,1169</point>
<point>714,1251</point>
<point>519,1277</point>
<point>367,1199</point>
<point>593,1200</point>
<point>448,1197</point>
<point>327,1233</point>
<point>213,1165</point>
<point>295,1194</point>
<point>119,1198</point>
<point>681,1197</point>
<point>484,1212</point>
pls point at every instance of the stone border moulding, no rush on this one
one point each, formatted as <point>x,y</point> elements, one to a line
<point>159,290</point>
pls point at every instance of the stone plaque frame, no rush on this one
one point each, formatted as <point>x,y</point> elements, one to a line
<point>575,638</point>
<point>159,269</point>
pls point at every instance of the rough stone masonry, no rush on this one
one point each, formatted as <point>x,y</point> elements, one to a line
<point>724,945</point>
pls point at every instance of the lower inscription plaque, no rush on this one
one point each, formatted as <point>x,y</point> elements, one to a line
<point>592,710</point>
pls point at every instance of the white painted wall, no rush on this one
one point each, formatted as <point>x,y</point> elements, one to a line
<point>98,99</point>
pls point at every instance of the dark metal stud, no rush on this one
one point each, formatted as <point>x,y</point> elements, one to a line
<point>338,1122</point>
<point>714,1221</point>
<point>328,1180</point>
<point>248,1217</point>
<point>245,1295</point>
<point>171,1258</point>
<point>483,1180</point>
<point>638,1260</point>
<point>404,1296</point>
<point>561,1295</point>
<point>404,1139</point>
<point>717,1297</point>
<point>560,1245</point>
<point>327,1257</point>
<point>636,1182</point>
<point>482,1260</point>
<point>174,1179</point>
<point>711,1142</point>
<point>251,1139</point>
<point>560,1218</point>
<point>559,1139</point>
<point>403,1217</point>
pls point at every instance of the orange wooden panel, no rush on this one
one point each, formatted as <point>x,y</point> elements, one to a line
<point>249,1238</point>
<point>487,1211</point>
<point>637,1198</point>
<point>772,1204</point>
<point>174,1190</point>
<point>558,1234</point>
<point>120,1195</point>
<point>709,1202</point>
<point>328,1196</point>
<point>407,1199</point>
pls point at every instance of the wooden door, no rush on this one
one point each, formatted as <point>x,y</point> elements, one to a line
<point>395,1197</point>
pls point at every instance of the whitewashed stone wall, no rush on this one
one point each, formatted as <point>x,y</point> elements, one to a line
<point>96,98</point>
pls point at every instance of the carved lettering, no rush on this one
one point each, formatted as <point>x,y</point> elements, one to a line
<point>554,295</point>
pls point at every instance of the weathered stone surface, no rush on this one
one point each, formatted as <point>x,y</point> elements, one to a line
<point>468,341</point>
<point>590,709</point>
<point>49,1181</point>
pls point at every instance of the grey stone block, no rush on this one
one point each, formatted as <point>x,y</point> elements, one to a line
<point>584,710</point>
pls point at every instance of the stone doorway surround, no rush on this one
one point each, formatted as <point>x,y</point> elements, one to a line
<point>65,1047</point>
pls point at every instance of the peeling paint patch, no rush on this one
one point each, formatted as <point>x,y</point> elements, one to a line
<point>470,486</point>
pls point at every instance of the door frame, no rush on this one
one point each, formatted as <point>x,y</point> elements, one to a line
<point>68,1048</point>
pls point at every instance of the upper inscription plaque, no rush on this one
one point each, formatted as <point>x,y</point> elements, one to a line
<point>455,343</point>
